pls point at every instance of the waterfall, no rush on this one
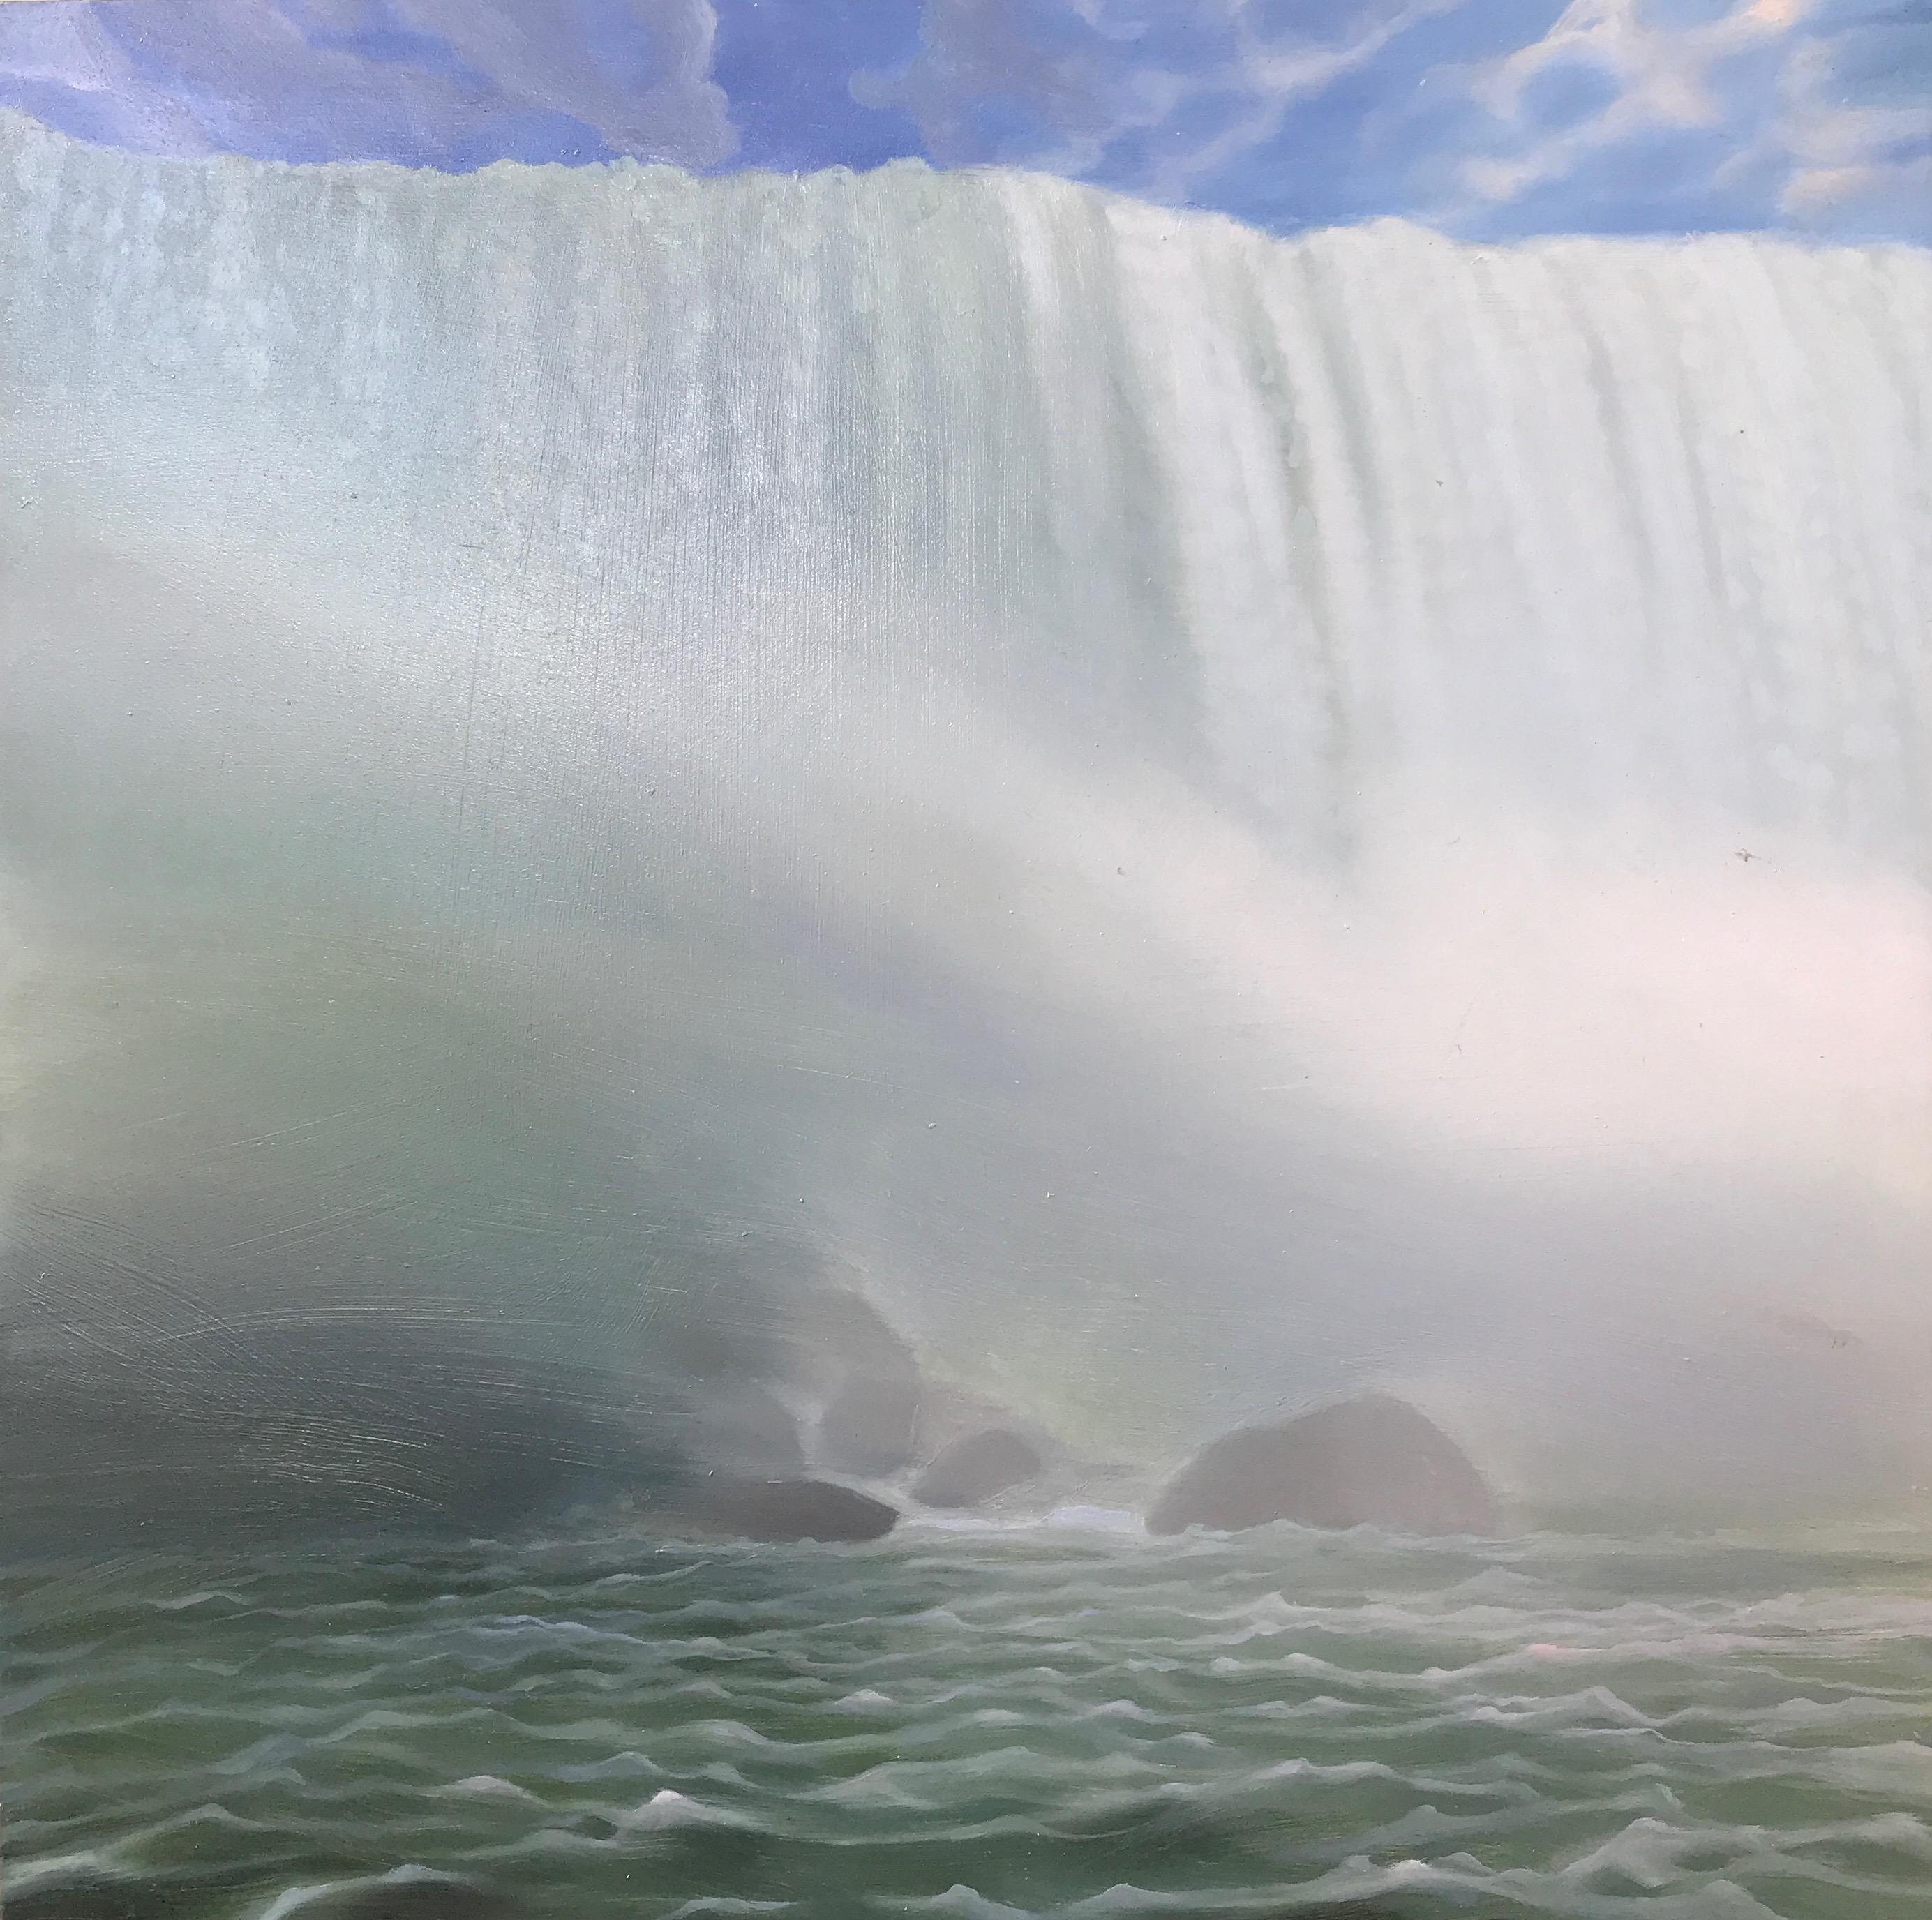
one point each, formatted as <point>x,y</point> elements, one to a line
<point>1202,816</point>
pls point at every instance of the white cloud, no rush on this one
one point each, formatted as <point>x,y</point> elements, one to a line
<point>1631,114</point>
<point>680,113</point>
<point>1662,77</point>
<point>439,81</point>
<point>1278,75</point>
<point>1854,159</point>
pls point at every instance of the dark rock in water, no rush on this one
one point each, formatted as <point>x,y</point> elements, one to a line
<point>870,1425</point>
<point>742,1428</point>
<point>868,1380</point>
<point>976,1467</point>
<point>779,1510</point>
<point>841,1335</point>
<point>1374,1461</point>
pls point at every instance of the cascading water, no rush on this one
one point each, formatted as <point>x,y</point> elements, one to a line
<point>1207,818</point>
<point>619,793</point>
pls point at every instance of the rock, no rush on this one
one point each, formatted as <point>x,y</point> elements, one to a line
<point>839,1334</point>
<point>974,1468</point>
<point>741,1428</point>
<point>1374,1461</point>
<point>870,1425</point>
<point>782,1509</point>
<point>867,1380</point>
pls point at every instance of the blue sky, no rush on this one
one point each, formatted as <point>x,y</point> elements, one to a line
<point>1485,118</point>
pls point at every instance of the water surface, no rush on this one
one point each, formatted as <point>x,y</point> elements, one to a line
<point>1052,1720</point>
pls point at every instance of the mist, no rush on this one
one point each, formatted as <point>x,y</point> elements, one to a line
<point>594,764</point>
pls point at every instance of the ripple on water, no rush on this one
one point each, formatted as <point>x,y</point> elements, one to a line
<point>1064,1722</point>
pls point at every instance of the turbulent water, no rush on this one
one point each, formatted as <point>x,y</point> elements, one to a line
<point>1051,1721</point>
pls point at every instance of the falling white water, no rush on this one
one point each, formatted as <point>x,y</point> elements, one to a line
<point>1211,816</point>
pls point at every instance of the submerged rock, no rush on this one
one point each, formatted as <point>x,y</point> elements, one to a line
<point>976,1467</point>
<point>782,1509</point>
<point>1374,1461</point>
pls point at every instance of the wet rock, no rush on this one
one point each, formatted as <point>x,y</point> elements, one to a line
<point>865,1377</point>
<point>741,1428</point>
<point>976,1467</point>
<point>784,1509</point>
<point>870,1425</point>
<point>1374,1461</point>
<point>841,1333</point>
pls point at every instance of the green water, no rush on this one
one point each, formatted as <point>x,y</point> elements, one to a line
<point>1058,1720</point>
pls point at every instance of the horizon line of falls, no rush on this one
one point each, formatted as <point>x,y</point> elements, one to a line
<point>593,759</point>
